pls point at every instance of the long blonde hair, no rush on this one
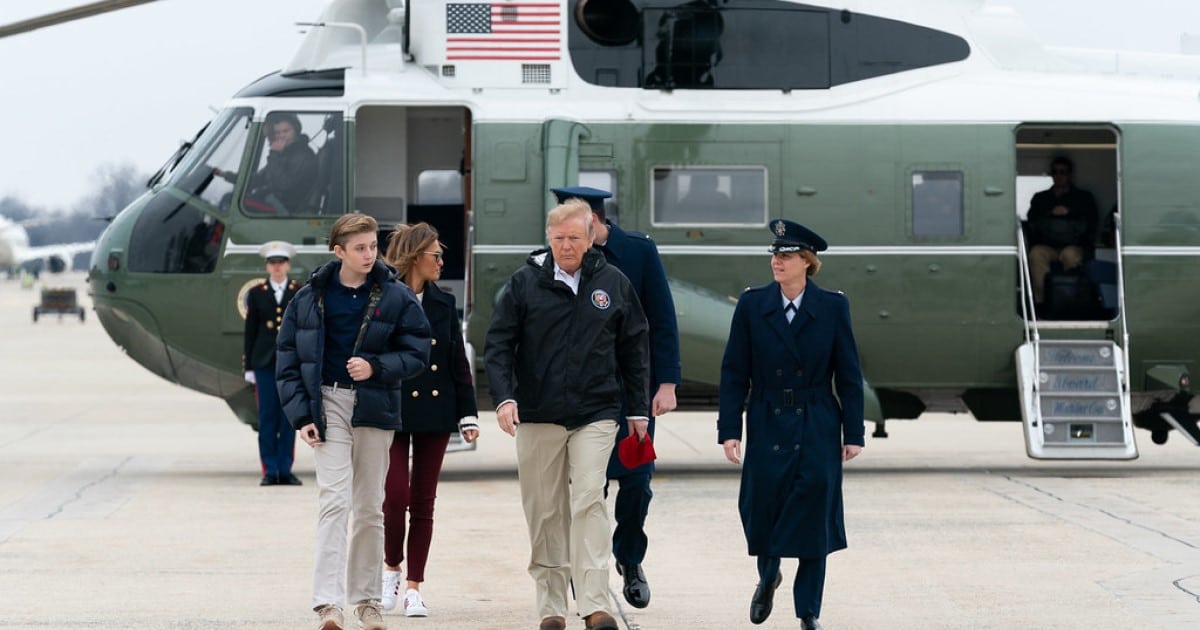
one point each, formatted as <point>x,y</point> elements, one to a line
<point>407,243</point>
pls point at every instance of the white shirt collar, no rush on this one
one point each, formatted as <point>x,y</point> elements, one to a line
<point>571,280</point>
<point>785,301</point>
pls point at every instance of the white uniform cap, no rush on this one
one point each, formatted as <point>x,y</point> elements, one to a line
<point>277,249</point>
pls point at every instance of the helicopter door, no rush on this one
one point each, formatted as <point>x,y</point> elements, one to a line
<point>410,167</point>
<point>1077,275</point>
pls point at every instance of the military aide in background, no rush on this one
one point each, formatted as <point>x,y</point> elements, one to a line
<point>265,304</point>
<point>637,257</point>
<point>791,349</point>
<point>567,344</point>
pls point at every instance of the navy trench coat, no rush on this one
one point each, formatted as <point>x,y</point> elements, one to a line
<point>784,377</point>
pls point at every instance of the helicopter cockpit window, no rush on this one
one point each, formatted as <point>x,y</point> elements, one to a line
<point>298,168</point>
<point>937,203</point>
<point>726,195</point>
<point>172,236</point>
<point>211,166</point>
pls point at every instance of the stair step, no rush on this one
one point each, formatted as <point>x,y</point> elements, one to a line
<point>1074,404</point>
<point>1079,384</point>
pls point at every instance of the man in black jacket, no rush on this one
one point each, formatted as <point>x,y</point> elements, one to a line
<point>1061,225</point>
<point>347,341</point>
<point>568,342</point>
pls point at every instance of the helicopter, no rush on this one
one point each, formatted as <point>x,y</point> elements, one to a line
<point>910,135</point>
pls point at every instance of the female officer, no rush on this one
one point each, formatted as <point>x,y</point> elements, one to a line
<point>437,402</point>
<point>791,348</point>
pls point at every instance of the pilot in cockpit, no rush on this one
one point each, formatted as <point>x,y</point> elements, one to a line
<point>283,184</point>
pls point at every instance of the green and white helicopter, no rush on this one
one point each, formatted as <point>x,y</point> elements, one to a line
<point>910,134</point>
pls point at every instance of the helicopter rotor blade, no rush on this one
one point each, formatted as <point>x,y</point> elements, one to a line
<point>67,15</point>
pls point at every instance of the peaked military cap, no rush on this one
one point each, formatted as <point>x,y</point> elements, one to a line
<point>593,196</point>
<point>277,249</point>
<point>793,237</point>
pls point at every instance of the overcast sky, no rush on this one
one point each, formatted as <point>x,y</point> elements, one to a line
<point>127,87</point>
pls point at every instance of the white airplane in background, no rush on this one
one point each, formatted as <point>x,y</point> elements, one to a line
<point>15,250</point>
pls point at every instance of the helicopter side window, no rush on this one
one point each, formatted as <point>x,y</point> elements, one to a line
<point>298,166</point>
<point>937,203</point>
<point>211,166</point>
<point>604,180</point>
<point>726,195</point>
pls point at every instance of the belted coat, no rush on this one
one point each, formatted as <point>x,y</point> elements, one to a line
<point>784,378</point>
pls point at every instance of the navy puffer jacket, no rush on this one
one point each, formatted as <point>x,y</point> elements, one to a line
<point>395,342</point>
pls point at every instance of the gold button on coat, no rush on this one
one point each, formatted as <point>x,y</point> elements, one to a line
<point>434,392</point>
<point>416,393</point>
<point>433,368</point>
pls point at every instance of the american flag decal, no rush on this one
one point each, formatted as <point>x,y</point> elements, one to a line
<point>504,31</point>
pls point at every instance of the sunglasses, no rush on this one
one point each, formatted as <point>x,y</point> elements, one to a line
<point>436,255</point>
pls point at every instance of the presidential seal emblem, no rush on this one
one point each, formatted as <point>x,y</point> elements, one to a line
<point>780,228</point>
<point>601,300</point>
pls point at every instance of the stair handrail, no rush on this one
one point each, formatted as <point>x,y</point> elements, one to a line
<point>1029,315</point>
<point>1121,299</point>
<point>1028,308</point>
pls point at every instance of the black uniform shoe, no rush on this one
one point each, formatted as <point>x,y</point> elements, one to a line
<point>269,480</point>
<point>810,623</point>
<point>764,600</point>
<point>637,590</point>
<point>290,480</point>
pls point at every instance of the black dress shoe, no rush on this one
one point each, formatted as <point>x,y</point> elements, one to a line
<point>269,480</point>
<point>764,600</point>
<point>810,623</point>
<point>290,480</point>
<point>637,590</point>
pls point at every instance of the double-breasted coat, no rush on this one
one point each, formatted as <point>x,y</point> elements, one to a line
<point>263,316</point>
<point>784,377</point>
<point>436,399</point>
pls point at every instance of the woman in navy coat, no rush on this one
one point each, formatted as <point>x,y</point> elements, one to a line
<point>790,350</point>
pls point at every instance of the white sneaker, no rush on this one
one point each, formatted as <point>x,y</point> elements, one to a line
<point>414,606</point>
<point>391,589</point>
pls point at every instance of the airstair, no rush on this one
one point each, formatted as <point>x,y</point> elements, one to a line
<point>1074,388</point>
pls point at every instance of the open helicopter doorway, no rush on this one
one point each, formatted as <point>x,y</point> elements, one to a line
<point>411,165</point>
<point>1071,254</point>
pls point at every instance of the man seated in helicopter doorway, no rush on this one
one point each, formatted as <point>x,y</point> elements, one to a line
<point>1060,226</point>
<point>283,184</point>
<point>265,304</point>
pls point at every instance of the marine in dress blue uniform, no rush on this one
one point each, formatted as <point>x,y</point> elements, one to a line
<point>265,305</point>
<point>635,254</point>
<point>783,370</point>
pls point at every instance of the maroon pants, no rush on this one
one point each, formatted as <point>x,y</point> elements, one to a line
<point>414,493</point>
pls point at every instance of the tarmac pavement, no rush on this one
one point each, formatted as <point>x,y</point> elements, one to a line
<point>130,502</point>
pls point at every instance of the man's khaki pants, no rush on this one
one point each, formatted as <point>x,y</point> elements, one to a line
<point>562,476</point>
<point>1040,258</point>
<point>351,466</point>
